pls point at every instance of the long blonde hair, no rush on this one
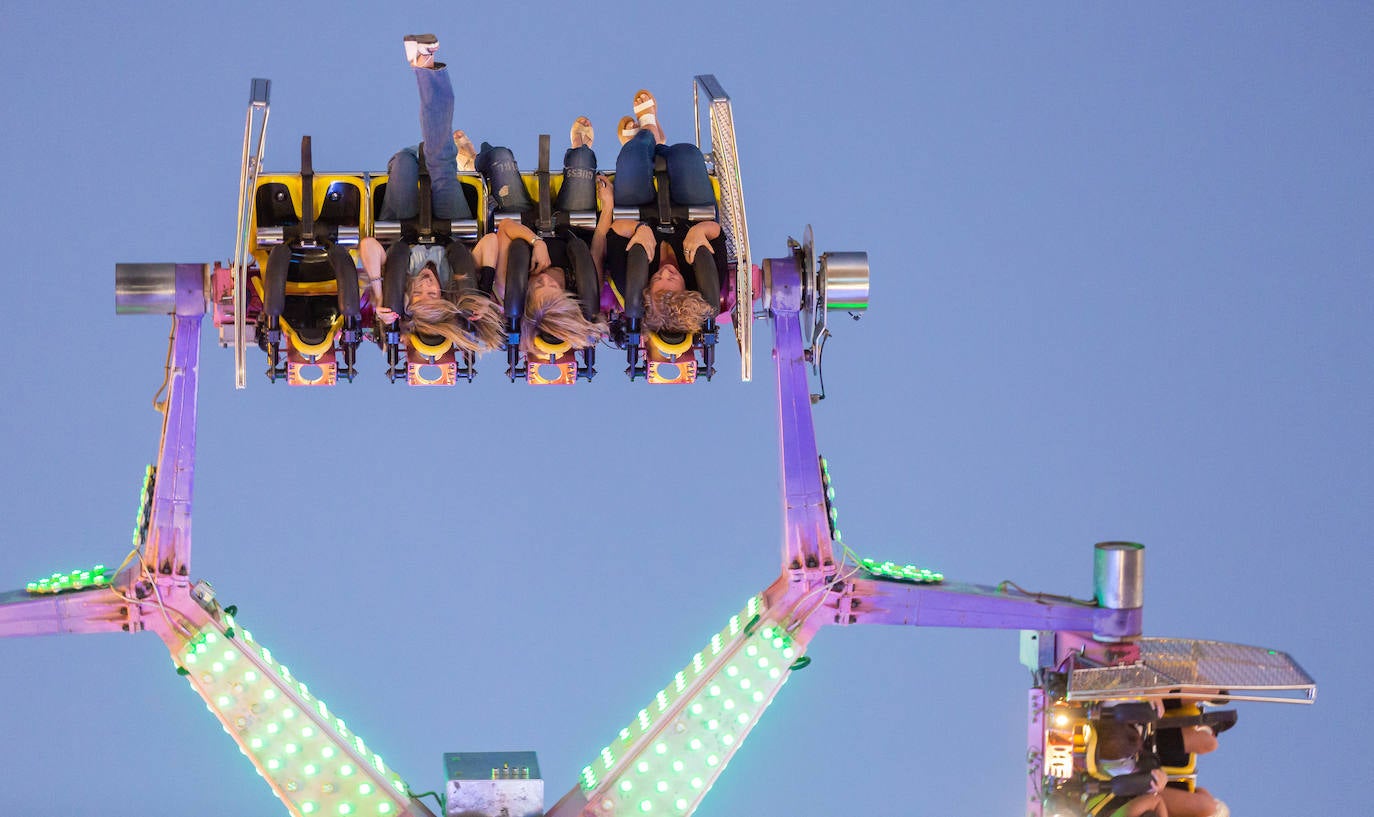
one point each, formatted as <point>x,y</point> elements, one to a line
<point>471,322</point>
<point>557,314</point>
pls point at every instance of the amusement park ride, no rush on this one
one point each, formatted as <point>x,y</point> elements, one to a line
<point>1088,659</point>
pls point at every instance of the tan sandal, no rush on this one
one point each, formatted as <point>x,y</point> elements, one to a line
<point>646,109</point>
<point>581,128</point>
<point>627,128</point>
<point>467,154</point>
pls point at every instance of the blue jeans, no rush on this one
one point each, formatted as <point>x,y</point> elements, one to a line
<point>688,182</point>
<point>497,165</point>
<point>402,200</point>
<point>578,192</point>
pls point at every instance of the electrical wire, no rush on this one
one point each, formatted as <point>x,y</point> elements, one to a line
<point>160,405</point>
<point>1042,598</point>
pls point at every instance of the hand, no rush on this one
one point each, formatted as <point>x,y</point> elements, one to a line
<point>605,193</point>
<point>385,315</point>
<point>1158,780</point>
<point>692,243</point>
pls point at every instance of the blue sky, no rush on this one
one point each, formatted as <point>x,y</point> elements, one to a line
<point>1121,290</point>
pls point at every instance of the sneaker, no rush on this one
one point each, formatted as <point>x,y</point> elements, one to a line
<point>420,45</point>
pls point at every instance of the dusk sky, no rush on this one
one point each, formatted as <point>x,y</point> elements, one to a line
<point>1122,289</point>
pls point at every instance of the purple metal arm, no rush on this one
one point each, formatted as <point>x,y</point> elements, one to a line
<point>807,549</point>
<point>956,604</point>
<point>168,554</point>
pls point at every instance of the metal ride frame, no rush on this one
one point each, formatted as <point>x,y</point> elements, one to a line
<point>672,751</point>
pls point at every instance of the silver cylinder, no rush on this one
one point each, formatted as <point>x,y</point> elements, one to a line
<point>145,289</point>
<point>1119,575</point>
<point>846,280</point>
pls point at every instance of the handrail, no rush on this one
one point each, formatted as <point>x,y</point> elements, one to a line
<point>258,103</point>
<point>734,223</point>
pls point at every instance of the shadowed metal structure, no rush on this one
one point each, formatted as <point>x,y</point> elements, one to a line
<point>1082,653</point>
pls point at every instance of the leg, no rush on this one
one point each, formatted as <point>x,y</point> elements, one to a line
<point>402,200</point>
<point>634,171</point>
<point>578,192</point>
<point>687,178</point>
<point>463,266</point>
<point>441,155</point>
<point>497,165</point>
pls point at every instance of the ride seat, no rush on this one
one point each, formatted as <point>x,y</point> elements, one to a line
<point>310,254</point>
<point>473,190</point>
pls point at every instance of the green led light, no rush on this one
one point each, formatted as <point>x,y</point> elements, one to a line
<point>365,789</point>
<point>346,770</point>
<point>642,766</point>
<point>308,807</point>
<point>678,765</point>
<point>273,764</point>
<point>660,748</point>
<point>661,786</point>
<point>310,769</point>
<point>291,748</point>
<point>906,573</point>
<point>327,752</point>
<point>383,808</point>
<point>626,785</point>
<point>646,805</point>
<point>680,804</point>
<point>98,576</point>
<point>695,744</point>
<point>696,782</point>
<point>345,808</point>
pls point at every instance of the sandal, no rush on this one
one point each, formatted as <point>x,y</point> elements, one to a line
<point>581,131</point>
<point>420,49</point>
<point>467,154</point>
<point>627,128</point>
<point>646,109</point>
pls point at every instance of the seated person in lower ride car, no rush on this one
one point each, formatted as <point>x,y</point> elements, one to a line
<point>434,286</point>
<point>553,320</point>
<point>688,267</point>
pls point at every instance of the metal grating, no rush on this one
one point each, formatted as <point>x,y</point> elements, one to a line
<point>1216,670</point>
<point>733,222</point>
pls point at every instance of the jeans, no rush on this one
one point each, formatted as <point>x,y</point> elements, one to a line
<point>578,192</point>
<point>498,166</point>
<point>402,200</point>
<point>688,182</point>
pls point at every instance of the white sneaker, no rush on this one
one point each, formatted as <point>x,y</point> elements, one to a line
<point>420,45</point>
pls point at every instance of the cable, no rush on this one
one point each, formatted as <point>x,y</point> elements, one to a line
<point>1042,597</point>
<point>160,405</point>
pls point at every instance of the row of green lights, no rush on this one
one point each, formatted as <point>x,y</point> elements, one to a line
<point>831,513</point>
<point>663,699</point>
<point>905,573</point>
<point>266,712</point>
<point>673,772</point>
<point>145,506</point>
<point>98,576</point>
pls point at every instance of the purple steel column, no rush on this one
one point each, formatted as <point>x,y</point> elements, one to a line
<point>958,604</point>
<point>806,543</point>
<point>168,554</point>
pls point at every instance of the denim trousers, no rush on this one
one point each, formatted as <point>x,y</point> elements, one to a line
<point>402,200</point>
<point>688,181</point>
